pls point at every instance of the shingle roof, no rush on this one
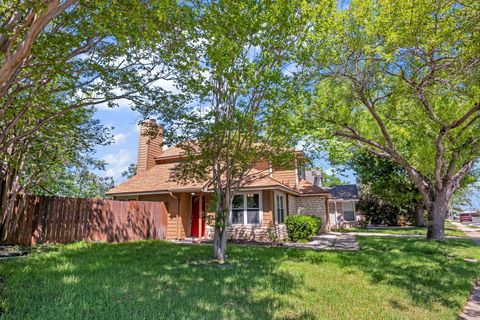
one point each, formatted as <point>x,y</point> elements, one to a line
<point>171,151</point>
<point>347,192</point>
<point>158,179</point>
<point>155,179</point>
<point>305,187</point>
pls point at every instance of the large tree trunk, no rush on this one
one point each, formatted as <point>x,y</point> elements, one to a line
<point>437,211</point>
<point>419,214</point>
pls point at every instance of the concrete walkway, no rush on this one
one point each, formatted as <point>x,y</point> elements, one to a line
<point>473,233</point>
<point>472,308</point>
<point>394,235</point>
<point>329,241</point>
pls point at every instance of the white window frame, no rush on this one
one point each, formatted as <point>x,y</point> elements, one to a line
<point>284,203</point>
<point>353,207</point>
<point>245,209</point>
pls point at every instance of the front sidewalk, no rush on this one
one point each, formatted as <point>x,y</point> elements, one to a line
<point>473,233</point>
<point>471,310</point>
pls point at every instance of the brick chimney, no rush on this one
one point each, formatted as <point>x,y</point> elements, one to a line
<point>150,145</point>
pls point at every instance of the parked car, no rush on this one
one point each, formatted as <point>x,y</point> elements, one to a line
<point>465,217</point>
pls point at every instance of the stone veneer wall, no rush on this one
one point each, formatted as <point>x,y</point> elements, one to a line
<point>292,204</point>
<point>311,206</point>
<point>253,233</point>
<point>314,206</point>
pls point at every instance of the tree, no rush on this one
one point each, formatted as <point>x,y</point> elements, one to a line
<point>235,70</point>
<point>57,56</point>
<point>131,171</point>
<point>329,180</point>
<point>55,160</point>
<point>401,80</point>
<point>389,183</point>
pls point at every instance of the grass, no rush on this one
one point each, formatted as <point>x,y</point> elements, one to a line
<point>389,278</point>
<point>450,230</point>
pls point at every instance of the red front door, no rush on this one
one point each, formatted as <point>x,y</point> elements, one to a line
<point>196,216</point>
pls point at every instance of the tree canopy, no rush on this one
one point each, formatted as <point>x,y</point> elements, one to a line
<point>235,73</point>
<point>401,80</point>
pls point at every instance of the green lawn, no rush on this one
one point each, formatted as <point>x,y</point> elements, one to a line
<point>389,278</point>
<point>450,230</point>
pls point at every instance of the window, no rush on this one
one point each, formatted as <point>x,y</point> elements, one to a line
<point>348,211</point>
<point>280,208</point>
<point>246,208</point>
<point>237,209</point>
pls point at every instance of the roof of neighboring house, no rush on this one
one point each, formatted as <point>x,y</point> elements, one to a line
<point>347,192</point>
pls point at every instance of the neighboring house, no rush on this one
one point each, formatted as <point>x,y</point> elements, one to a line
<point>342,207</point>
<point>259,207</point>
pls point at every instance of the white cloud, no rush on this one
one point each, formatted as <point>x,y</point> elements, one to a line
<point>123,104</point>
<point>168,85</point>
<point>117,163</point>
<point>136,128</point>
<point>119,138</point>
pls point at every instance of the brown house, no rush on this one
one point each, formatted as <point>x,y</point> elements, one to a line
<point>259,208</point>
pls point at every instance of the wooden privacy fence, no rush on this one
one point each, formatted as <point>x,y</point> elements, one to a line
<point>41,219</point>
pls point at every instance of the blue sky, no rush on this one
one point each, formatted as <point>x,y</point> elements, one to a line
<point>124,148</point>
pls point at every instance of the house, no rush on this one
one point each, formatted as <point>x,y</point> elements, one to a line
<point>343,206</point>
<point>259,207</point>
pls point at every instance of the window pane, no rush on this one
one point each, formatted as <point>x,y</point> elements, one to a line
<point>237,201</point>
<point>253,200</point>
<point>253,217</point>
<point>237,216</point>
<point>347,206</point>
<point>281,215</point>
<point>348,216</point>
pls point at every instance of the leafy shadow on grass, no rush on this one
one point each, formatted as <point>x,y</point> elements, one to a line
<point>428,271</point>
<point>148,280</point>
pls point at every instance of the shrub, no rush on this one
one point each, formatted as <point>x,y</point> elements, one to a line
<point>302,227</point>
<point>379,212</point>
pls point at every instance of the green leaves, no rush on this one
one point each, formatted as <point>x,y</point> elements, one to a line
<point>389,76</point>
<point>235,71</point>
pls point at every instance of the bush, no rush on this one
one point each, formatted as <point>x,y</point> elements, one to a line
<point>302,227</point>
<point>378,212</point>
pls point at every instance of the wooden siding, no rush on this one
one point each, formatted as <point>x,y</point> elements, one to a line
<point>267,197</point>
<point>186,214</point>
<point>287,177</point>
<point>178,208</point>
